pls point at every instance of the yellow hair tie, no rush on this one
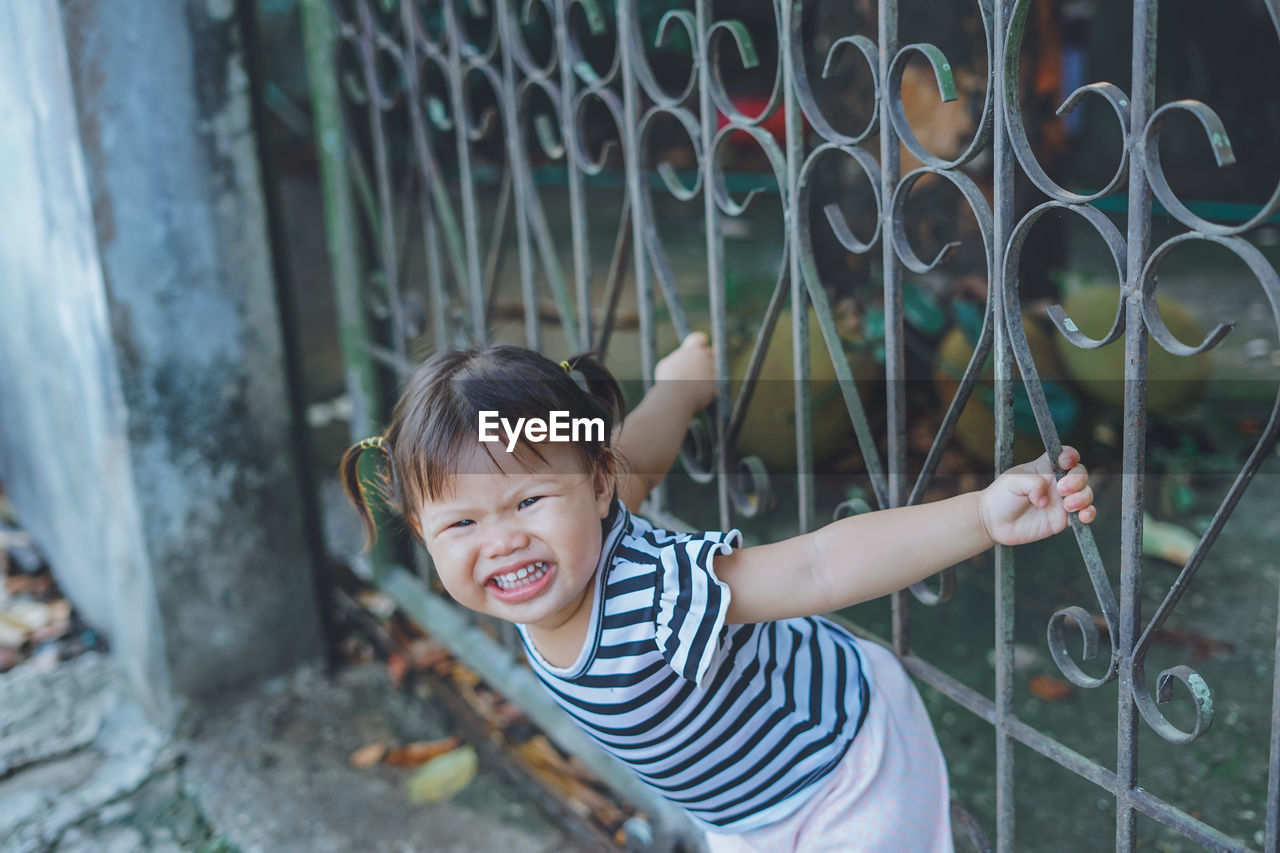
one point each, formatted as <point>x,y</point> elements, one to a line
<point>375,441</point>
<point>564,365</point>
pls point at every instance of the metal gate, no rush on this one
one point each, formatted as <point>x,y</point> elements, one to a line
<point>419,104</point>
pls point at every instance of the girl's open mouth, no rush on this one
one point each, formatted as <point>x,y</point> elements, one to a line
<point>523,583</point>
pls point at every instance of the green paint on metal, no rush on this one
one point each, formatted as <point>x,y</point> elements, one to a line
<point>746,47</point>
<point>1201,692</point>
<point>1069,324</point>
<point>595,18</point>
<point>585,72</point>
<point>340,225</point>
<point>941,71</point>
<point>438,115</point>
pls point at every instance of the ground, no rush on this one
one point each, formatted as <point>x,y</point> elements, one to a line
<point>82,769</point>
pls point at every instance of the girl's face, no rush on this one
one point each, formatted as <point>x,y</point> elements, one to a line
<point>519,545</point>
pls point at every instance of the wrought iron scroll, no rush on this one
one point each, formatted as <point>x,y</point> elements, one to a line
<point>458,76</point>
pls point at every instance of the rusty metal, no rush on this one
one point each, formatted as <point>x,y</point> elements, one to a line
<point>458,80</point>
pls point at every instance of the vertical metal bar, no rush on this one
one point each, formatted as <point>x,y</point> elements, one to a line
<point>1273,776</point>
<point>431,181</point>
<point>707,118</point>
<point>577,204</point>
<point>895,402</point>
<point>341,230</point>
<point>466,184</point>
<point>389,258</point>
<point>519,179</point>
<point>1002,187</point>
<point>1142,101</point>
<point>799,296</point>
<point>632,103</point>
<point>435,278</point>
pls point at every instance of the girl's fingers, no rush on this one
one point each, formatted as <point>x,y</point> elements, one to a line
<point>1079,501</point>
<point>1068,458</point>
<point>1074,480</point>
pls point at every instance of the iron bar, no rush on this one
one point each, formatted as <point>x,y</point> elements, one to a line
<point>1003,76</point>
<point>1142,101</point>
<point>895,386</point>
<point>1273,766</point>
<point>715,255</point>
<point>577,203</point>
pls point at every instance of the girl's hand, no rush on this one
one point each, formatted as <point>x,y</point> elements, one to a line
<point>1024,504</point>
<point>693,364</point>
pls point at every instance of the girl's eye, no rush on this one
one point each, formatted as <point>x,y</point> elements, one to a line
<point>464,523</point>
<point>530,501</point>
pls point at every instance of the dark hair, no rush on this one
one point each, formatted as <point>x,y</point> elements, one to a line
<point>438,415</point>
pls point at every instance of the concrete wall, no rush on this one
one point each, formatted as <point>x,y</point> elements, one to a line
<point>144,422</point>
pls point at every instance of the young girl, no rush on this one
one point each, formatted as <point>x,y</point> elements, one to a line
<point>703,666</point>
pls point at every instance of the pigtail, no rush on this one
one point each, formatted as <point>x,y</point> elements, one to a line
<point>604,389</point>
<point>349,474</point>
<point>600,384</point>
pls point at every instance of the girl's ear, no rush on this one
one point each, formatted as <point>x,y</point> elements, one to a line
<point>605,487</point>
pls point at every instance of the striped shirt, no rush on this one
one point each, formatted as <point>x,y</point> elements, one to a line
<point>735,723</point>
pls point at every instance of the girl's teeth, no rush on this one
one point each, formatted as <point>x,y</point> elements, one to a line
<point>523,577</point>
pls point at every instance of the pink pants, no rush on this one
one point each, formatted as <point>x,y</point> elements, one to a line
<point>889,794</point>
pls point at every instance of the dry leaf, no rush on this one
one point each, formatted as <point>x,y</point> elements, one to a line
<point>484,702</point>
<point>463,676</point>
<point>581,797</point>
<point>1049,689</point>
<point>416,754</point>
<point>11,636</point>
<point>378,603</point>
<point>444,776</point>
<point>397,668</point>
<point>26,614</point>
<point>428,654</point>
<point>367,755</point>
<point>538,751</point>
<point>558,773</point>
<point>508,713</point>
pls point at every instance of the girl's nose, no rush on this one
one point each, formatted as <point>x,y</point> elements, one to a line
<point>504,540</point>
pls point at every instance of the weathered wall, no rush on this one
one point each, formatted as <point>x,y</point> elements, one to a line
<point>64,456</point>
<point>143,400</point>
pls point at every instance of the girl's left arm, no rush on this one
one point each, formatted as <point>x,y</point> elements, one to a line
<point>866,556</point>
<point>650,438</point>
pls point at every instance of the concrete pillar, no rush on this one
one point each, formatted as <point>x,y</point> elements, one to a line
<point>144,418</point>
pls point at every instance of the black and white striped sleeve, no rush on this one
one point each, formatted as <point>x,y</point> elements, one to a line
<point>692,603</point>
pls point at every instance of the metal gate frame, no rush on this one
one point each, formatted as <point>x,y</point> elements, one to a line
<point>386,33</point>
